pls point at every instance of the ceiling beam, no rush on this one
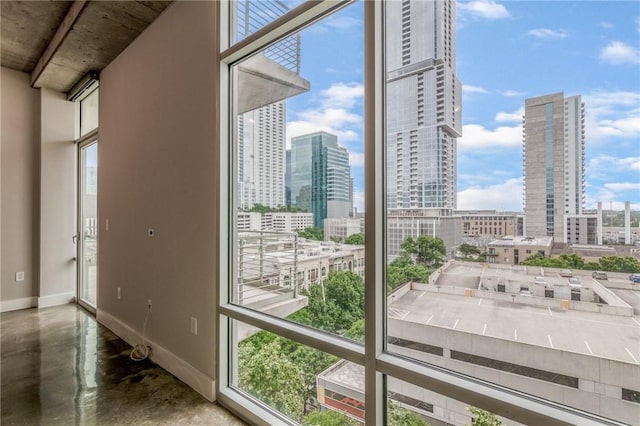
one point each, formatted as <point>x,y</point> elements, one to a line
<point>63,30</point>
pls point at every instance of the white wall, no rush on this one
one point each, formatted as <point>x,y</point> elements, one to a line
<point>19,140</point>
<point>57,199</point>
<point>157,169</point>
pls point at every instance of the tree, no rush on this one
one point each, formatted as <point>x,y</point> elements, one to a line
<point>356,332</point>
<point>355,239</point>
<point>620,264</point>
<point>482,417</point>
<point>399,416</point>
<point>312,233</point>
<point>328,418</point>
<point>402,270</point>
<point>467,250</point>
<point>337,303</point>
<point>429,251</point>
<point>572,261</point>
<point>271,377</point>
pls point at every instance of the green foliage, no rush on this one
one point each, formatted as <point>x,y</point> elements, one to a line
<point>339,305</point>
<point>573,261</point>
<point>539,259</point>
<point>355,239</point>
<point>312,233</point>
<point>356,332</point>
<point>402,270</point>
<point>306,362</point>
<point>261,208</point>
<point>328,418</point>
<point>429,251</point>
<point>274,379</point>
<point>620,264</point>
<point>399,416</point>
<point>467,250</point>
<point>301,317</point>
<point>483,418</point>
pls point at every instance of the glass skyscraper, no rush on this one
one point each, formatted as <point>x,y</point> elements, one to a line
<point>423,104</point>
<point>553,163</point>
<point>320,176</point>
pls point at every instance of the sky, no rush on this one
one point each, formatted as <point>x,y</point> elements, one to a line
<point>506,52</point>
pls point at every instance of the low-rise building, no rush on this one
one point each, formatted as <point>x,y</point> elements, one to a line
<point>581,229</point>
<point>571,352</point>
<point>340,228</point>
<point>513,250</point>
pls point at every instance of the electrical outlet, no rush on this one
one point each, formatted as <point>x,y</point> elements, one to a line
<point>119,294</point>
<point>19,276</point>
<point>194,326</point>
<point>149,305</point>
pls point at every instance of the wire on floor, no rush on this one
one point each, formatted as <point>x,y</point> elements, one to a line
<point>141,352</point>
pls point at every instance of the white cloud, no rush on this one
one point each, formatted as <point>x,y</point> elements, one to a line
<point>618,52</point>
<point>606,25</point>
<point>333,115</point>
<point>342,95</point>
<point>476,136</point>
<point>505,196</point>
<point>356,159</point>
<point>600,167</point>
<point>547,33</point>
<point>487,9</point>
<point>510,117</point>
<point>467,88</point>
<point>623,186</point>
<point>512,93</point>
<point>612,114</point>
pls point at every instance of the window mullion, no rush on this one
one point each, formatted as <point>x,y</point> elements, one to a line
<point>375,252</point>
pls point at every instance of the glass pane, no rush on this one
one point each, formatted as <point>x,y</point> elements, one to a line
<point>89,113</point>
<point>408,404</point>
<point>248,16</point>
<point>462,294</point>
<point>300,179</point>
<point>89,224</point>
<point>286,375</point>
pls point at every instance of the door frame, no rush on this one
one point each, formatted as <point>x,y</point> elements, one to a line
<point>82,143</point>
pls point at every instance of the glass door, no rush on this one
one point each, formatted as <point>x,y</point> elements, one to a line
<point>87,234</point>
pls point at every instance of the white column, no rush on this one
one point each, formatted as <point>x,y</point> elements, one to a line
<point>627,223</point>
<point>599,227</point>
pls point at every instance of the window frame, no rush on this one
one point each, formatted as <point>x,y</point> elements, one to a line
<point>372,355</point>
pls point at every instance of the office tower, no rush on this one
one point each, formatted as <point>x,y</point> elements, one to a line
<point>320,176</point>
<point>423,104</point>
<point>553,163</point>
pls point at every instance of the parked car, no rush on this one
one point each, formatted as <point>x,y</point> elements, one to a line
<point>599,275</point>
<point>574,282</point>
<point>634,278</point>
<point>539,280</point>
<point>566,273</point>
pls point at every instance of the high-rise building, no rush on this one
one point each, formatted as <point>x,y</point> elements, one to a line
<point>262,156</point>
<point>423,104</point>
<point>553,163</point>
<point>320,176</point>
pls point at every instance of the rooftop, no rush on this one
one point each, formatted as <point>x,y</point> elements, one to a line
<point>587,333</point>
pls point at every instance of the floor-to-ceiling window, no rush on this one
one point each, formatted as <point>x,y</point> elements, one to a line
<point>342,107</point>
<point>87,216</point>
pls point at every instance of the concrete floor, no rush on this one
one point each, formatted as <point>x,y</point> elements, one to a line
<point>60,367</point>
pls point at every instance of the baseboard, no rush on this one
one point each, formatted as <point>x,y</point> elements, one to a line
<point>56,299</point>
<point>16,304</point>
<point>200,382</point>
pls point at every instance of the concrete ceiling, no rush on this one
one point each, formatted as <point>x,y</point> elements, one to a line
<point>58,42</point>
